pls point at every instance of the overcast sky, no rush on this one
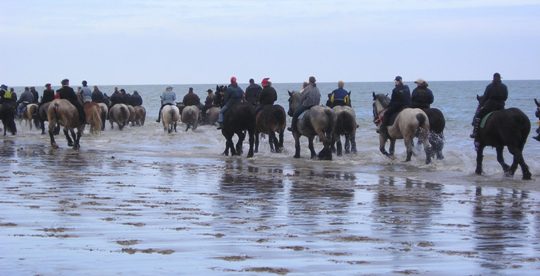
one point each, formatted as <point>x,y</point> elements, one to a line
<point>189,42</point>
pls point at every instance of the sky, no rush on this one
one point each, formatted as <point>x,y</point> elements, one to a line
<point>194,42</point>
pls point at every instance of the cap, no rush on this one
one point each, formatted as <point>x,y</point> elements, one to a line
<point>209,91</point>
<point>420,81</point>
<point>48,85</point>
<point>3,86</point>
<point>398,78</point>
<point>265,82</point>
<point>169,88</point>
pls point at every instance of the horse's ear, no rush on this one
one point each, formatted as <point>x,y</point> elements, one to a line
<point>387,95</point>
<point>290,93</point>
<point>349,93</point>
<point>536,102</point>
<point>477,97</point>
<point>373,95</point>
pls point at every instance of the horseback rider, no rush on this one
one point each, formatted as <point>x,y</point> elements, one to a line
<point>35,94</point>
<point>68,93</point>
<point>253,92</point>
<point>8,96</point>
<point>26,98</point>
<point>493,99</point>
<point>168,97</point>
<point>136,99</point>
<point>97,95</point>
<point>48,95</point>
<point>115,98</point>
<point>86,93</point>
<point>310,96</point>
<point>191,98</point>
<point>401,99</point>
<point>268,94</point>
<point>233,95</point>
<point>421,97</point>
<point>339,96</point>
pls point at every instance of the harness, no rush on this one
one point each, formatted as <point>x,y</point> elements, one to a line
<point>484,120</point>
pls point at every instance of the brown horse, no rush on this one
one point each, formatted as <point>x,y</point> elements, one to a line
<point>64,113</point>
<point>7,115</point>
<point>104,113</point>
<point>345,124</point>
<point>131,114</point>
<point>31,113</point>
<point>507,127</point>
<point>140,115</point>
<point>92,111</point>
<point>269,120</point>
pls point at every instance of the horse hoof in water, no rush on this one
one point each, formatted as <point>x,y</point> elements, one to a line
<point>527,176</point>
<point>77,147</point>
<point>54,146</point>
<point>478,172</point>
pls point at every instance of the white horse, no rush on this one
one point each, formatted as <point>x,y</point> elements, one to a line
<point>119,114</point>
<point>407,124</point>
<point>170,115</point>
<point>190,116</point>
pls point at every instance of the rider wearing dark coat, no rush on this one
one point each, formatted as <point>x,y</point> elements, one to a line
<point>48,94</point>
<point>191,98</point>
<point>97,95</point>
<point>401,99</point>
<point>253,92</point>
<point>232,96</point>
<point>68,93</point>
<point>493,99</point>
<point>116,98</point>
<point>268,94</point>
<point>421,97</point>
<point>136,99</point>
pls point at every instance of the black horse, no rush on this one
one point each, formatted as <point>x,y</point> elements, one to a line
<point>537,114</point>
<point>508,127</point>
<point>237,120</point>
<point>437,123</point>
<point>7,115</point>
<point>269,120</point>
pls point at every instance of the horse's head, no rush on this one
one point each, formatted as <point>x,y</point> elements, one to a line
<point>380,103</point>
<point>294,102</point>
<point>537,108</point>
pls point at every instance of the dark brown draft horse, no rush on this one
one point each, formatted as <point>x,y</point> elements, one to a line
<point>508,127</point>
<point>269,120</point>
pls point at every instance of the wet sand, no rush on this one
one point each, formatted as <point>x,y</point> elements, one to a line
<point>131,209</point>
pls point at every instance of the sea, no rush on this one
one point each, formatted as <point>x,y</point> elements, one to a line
<point>142,201</point>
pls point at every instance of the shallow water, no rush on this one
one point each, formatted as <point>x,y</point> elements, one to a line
<point>141,201</point>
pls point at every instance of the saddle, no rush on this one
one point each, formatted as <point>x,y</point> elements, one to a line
<point>484,119</point>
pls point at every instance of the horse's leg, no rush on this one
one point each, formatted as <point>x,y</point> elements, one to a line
<point>68,138</point>
<point>382,145</point>
<point>347,143</point>
<point>280,142</point>
<point>339,146</point>
<point>51,135</point>
<point>500,158</point>
<point>352,137</point>
<point>311,148</point>
<point>241,136</point>
<point>518,159</point>
<point>75,138</point>
<point>274,143</point>
<point>392,146</point>
<point>112,123</point>
<point>409,146</point>
<point>251,137</point>
<point>479,158</point>
<point>42,125</point>
<point>257,141</point>
<point>296,145</point>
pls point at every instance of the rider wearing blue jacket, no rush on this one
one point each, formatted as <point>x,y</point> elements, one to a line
<point>233,95</point>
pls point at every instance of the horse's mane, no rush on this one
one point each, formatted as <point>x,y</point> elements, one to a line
<point>383,99</point>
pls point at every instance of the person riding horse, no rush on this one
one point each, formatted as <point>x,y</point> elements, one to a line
<point>253,93</point>
<point>168,97</point>
<point>421,96</point>
<point>401,99</point>
<point>191,98</point>
<point>311,96</point>
<point>86,93</point>
<point>233,95</point>
<point>494,98</point>
<point>268,95</point>
<point>339,97</point>
<point>26,98</point>
<point>66,92</point>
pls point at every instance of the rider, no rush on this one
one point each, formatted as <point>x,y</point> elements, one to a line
<point>86,93</point>
<point>268,95</point>
<point>339,96</point>
<point>26,98</point>
<point>7,95</point>
<point>233,95</point>
<point>311,96</point>
<point>97,95</point>
<point>421,97</point>
<point>191,98</point>
<point>168,97</point>
<point>136,99</point>
<point>48,95</point>
<point>67,93</point>
<point>35,94</point>
<point>253,92</point>
<point>493,99</point>
<point>401,98</point>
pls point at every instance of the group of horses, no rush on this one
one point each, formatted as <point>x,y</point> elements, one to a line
<point>509,127</point>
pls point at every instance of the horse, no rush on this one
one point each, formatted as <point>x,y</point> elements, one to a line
<point>190,116</point>
<point>104,113</point>
<point>119,114</point>
<point>407,124</point>
<point>507,127</point>
<point>140,115</point>
<point>131,114</point>
<point>7,115</point>
<point>318,120</point>
<point>212,115</point>
<point>537,114</point>
<point>437,122</point>
<point>92,112</point>
<point>238,119</point>
<point>269,120</point>
<point>170,117</point>
<point>31,113</point>
<point>42,115</point>
<point>63,113</point>
<point>345,124</point>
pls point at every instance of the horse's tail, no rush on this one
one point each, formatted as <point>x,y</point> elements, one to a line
<point>423,125</point>
<point>95,119</point>
<point>280,116</point>
<point>124,115</point>
<point>329,131</point>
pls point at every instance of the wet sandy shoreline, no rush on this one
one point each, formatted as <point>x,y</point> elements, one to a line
<point>115,211</point>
